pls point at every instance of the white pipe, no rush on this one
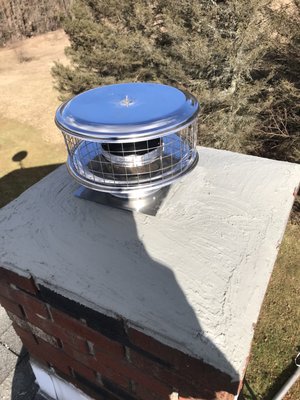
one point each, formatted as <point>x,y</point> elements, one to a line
<point>283,391</point>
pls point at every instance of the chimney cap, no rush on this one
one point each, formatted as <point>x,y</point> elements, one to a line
<point>127,111</point>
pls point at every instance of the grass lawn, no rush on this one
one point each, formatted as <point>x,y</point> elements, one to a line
<point>276,339</point>
<point>40,158</point>
<point>27,106</point>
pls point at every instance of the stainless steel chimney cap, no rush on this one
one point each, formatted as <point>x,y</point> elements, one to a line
<point>127,111</point>
<point>129,140</point>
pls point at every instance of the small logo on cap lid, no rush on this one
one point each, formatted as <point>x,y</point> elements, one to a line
<point>126,102</point>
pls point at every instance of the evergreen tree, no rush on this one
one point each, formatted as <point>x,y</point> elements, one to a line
<point>238,57</point>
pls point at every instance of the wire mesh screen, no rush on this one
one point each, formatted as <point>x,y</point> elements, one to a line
<point>134,164</point>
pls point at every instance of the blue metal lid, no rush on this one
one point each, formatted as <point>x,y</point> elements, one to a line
<point>127,111</point>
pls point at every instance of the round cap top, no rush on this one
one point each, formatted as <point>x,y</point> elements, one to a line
<point>127,111</point>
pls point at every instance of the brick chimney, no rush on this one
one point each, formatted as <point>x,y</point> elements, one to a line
<point>122,306</point>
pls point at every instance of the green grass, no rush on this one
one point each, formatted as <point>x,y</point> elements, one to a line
<point>42,157</point>
<point>276,340</point>
<point>17,136</point>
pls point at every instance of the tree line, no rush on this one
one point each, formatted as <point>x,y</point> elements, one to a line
<point>240,58</point>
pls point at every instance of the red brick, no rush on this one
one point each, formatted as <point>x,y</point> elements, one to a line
<point>10,306</point>
<point>103,366</point>
<point>56,357</point>
<point>164,374</point>
<point>131,372</point>
<point>6,291</point>
<point>36,324</point>
<point>172,378</point>
<point>151,345</point>
<point>55,330</point>
<point>106,346</point>
<point>199,372</point>
<point>136,375</point>
<point>76,342</point>
<point>162,390</point>
<point>145,393</point>
<point>92,392</point>
<point>29,303</point>
<point>69,357</point>
<point>19,321</point>
<point>201,377</point>
<point>102,344</point>
<point>144,364</point>
<point>22,282</point>
<point>180,363</point>
<point>26,337</point>
<point>32,305</point>
<point>37,332</point>
<point>52,357</point>
<point>69,378</point>
<point>119,371</point>
<point>82,369</point>
<point>176,359</point>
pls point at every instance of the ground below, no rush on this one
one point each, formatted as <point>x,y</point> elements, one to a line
<point>28,102</point>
